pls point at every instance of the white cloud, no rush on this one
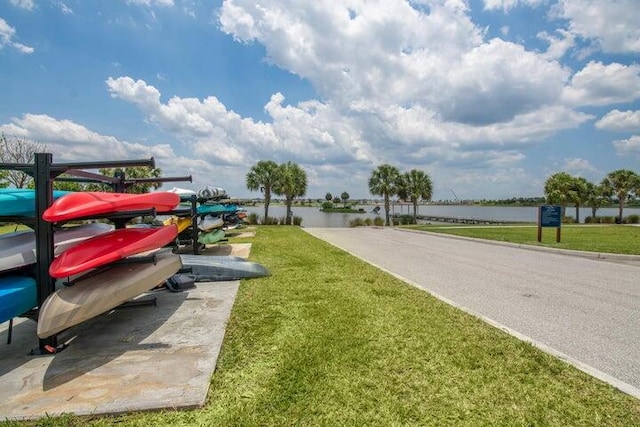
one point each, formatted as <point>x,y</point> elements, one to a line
<point>558,46</point>
<point>599,84</point>
<point>578,165</point>
<point>611,24</point>
<point>65,9</point>
<point>629,146</point>
<point>390,53</point>
<point>507,5</point>
<point>24,4</point>
<point>166,3</point>
<point>7,35</point>
<point>71,142</point>
<point>74,142</point>
<point>620,121</point>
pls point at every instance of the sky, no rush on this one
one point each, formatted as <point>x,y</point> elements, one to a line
<point>488,97</point>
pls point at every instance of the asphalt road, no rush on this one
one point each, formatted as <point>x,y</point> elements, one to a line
<point>584,311</point>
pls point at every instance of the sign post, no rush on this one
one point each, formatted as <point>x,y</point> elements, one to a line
<point>549,216</point>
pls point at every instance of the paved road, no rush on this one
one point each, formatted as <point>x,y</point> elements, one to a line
<point>585,311</point>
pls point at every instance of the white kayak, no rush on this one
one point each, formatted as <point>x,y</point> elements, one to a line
<point>18,249</point>
<point>208,223</point>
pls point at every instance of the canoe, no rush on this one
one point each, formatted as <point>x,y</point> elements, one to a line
<point>94,203</point>
<point>109,247</point>
<point>21,201</point>
<point>206,268</point>
<point>209,223</point>
<point>18,249</point>
<point>88,298</point>
<point>18,294</point>
<point>211,237</point>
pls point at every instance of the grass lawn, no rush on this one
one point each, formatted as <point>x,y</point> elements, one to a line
<point>618,239</point>
<point>329,340</point>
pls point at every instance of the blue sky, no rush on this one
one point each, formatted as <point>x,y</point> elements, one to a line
<point>489,97</point>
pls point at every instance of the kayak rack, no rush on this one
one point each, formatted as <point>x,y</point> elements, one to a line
<point>44,172</point>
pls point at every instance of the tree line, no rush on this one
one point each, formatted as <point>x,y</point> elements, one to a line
<point>618,186</point>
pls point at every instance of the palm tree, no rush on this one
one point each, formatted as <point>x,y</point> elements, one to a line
<point>344,197</point>
<point>417,186</point>
<point>578,194</point>
<point>595,198</point>
<point>620,183</point>
<point>261,177</point>
<point>384,182</point>
<point>291,183</point>
<point>557,188</point>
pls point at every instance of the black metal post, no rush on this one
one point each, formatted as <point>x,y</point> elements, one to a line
<point>44,236</point>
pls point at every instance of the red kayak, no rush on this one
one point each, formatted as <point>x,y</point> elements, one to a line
<point>94,203</point>
<point>109,247</point>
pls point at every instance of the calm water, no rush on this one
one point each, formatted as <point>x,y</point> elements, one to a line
<point>312,217</point>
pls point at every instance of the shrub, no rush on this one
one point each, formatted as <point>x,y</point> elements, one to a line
<point>252,218</point>
<point>403,220</point>
<point>378,221</point>
<point>270,221</point>
<point>327,205</point>
<point>632,219</point>
<point>357,222</point>
<point>607,220</point>
<point>297,220</point>
<point>568,220</point>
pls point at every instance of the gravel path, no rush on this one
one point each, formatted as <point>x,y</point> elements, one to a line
<point>584,311</point>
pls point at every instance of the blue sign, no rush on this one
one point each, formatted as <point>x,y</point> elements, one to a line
<point>550,216</point>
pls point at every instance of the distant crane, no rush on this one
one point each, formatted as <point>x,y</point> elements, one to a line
<point>455,195</point>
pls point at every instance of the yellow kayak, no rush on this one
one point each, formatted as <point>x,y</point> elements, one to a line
<point>181,222</point>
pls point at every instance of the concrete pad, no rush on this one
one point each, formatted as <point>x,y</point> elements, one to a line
<point>130,359</point>
<point>236,249</point>
<point>241,234</point>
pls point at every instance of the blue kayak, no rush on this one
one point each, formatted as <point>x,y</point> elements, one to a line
<point>217,208</point>
<point>18,294</point>
<point>21,201</point>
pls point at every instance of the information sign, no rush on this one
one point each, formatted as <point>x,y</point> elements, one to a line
<point>549,216</point>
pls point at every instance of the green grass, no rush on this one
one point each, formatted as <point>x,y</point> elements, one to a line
<point>618,239</point>
<point>329,340</point>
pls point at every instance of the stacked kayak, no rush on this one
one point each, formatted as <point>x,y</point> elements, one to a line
<point>101,278</point>
<point>18,289</point>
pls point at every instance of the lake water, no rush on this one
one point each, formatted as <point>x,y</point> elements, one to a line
<point>313,217</point>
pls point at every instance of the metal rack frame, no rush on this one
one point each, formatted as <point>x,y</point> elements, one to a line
<point>44,172</point>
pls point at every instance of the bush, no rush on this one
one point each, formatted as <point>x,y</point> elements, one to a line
<point>297,220</point>
<point>632,219</point>
<point>568,220</point>
<point>252,218</point>
<point>327,205</point>
<point>270,221</point>
<point>357,222</point>
<point>403,220</point>
<point>378,221</point>
<point>607,220</point>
